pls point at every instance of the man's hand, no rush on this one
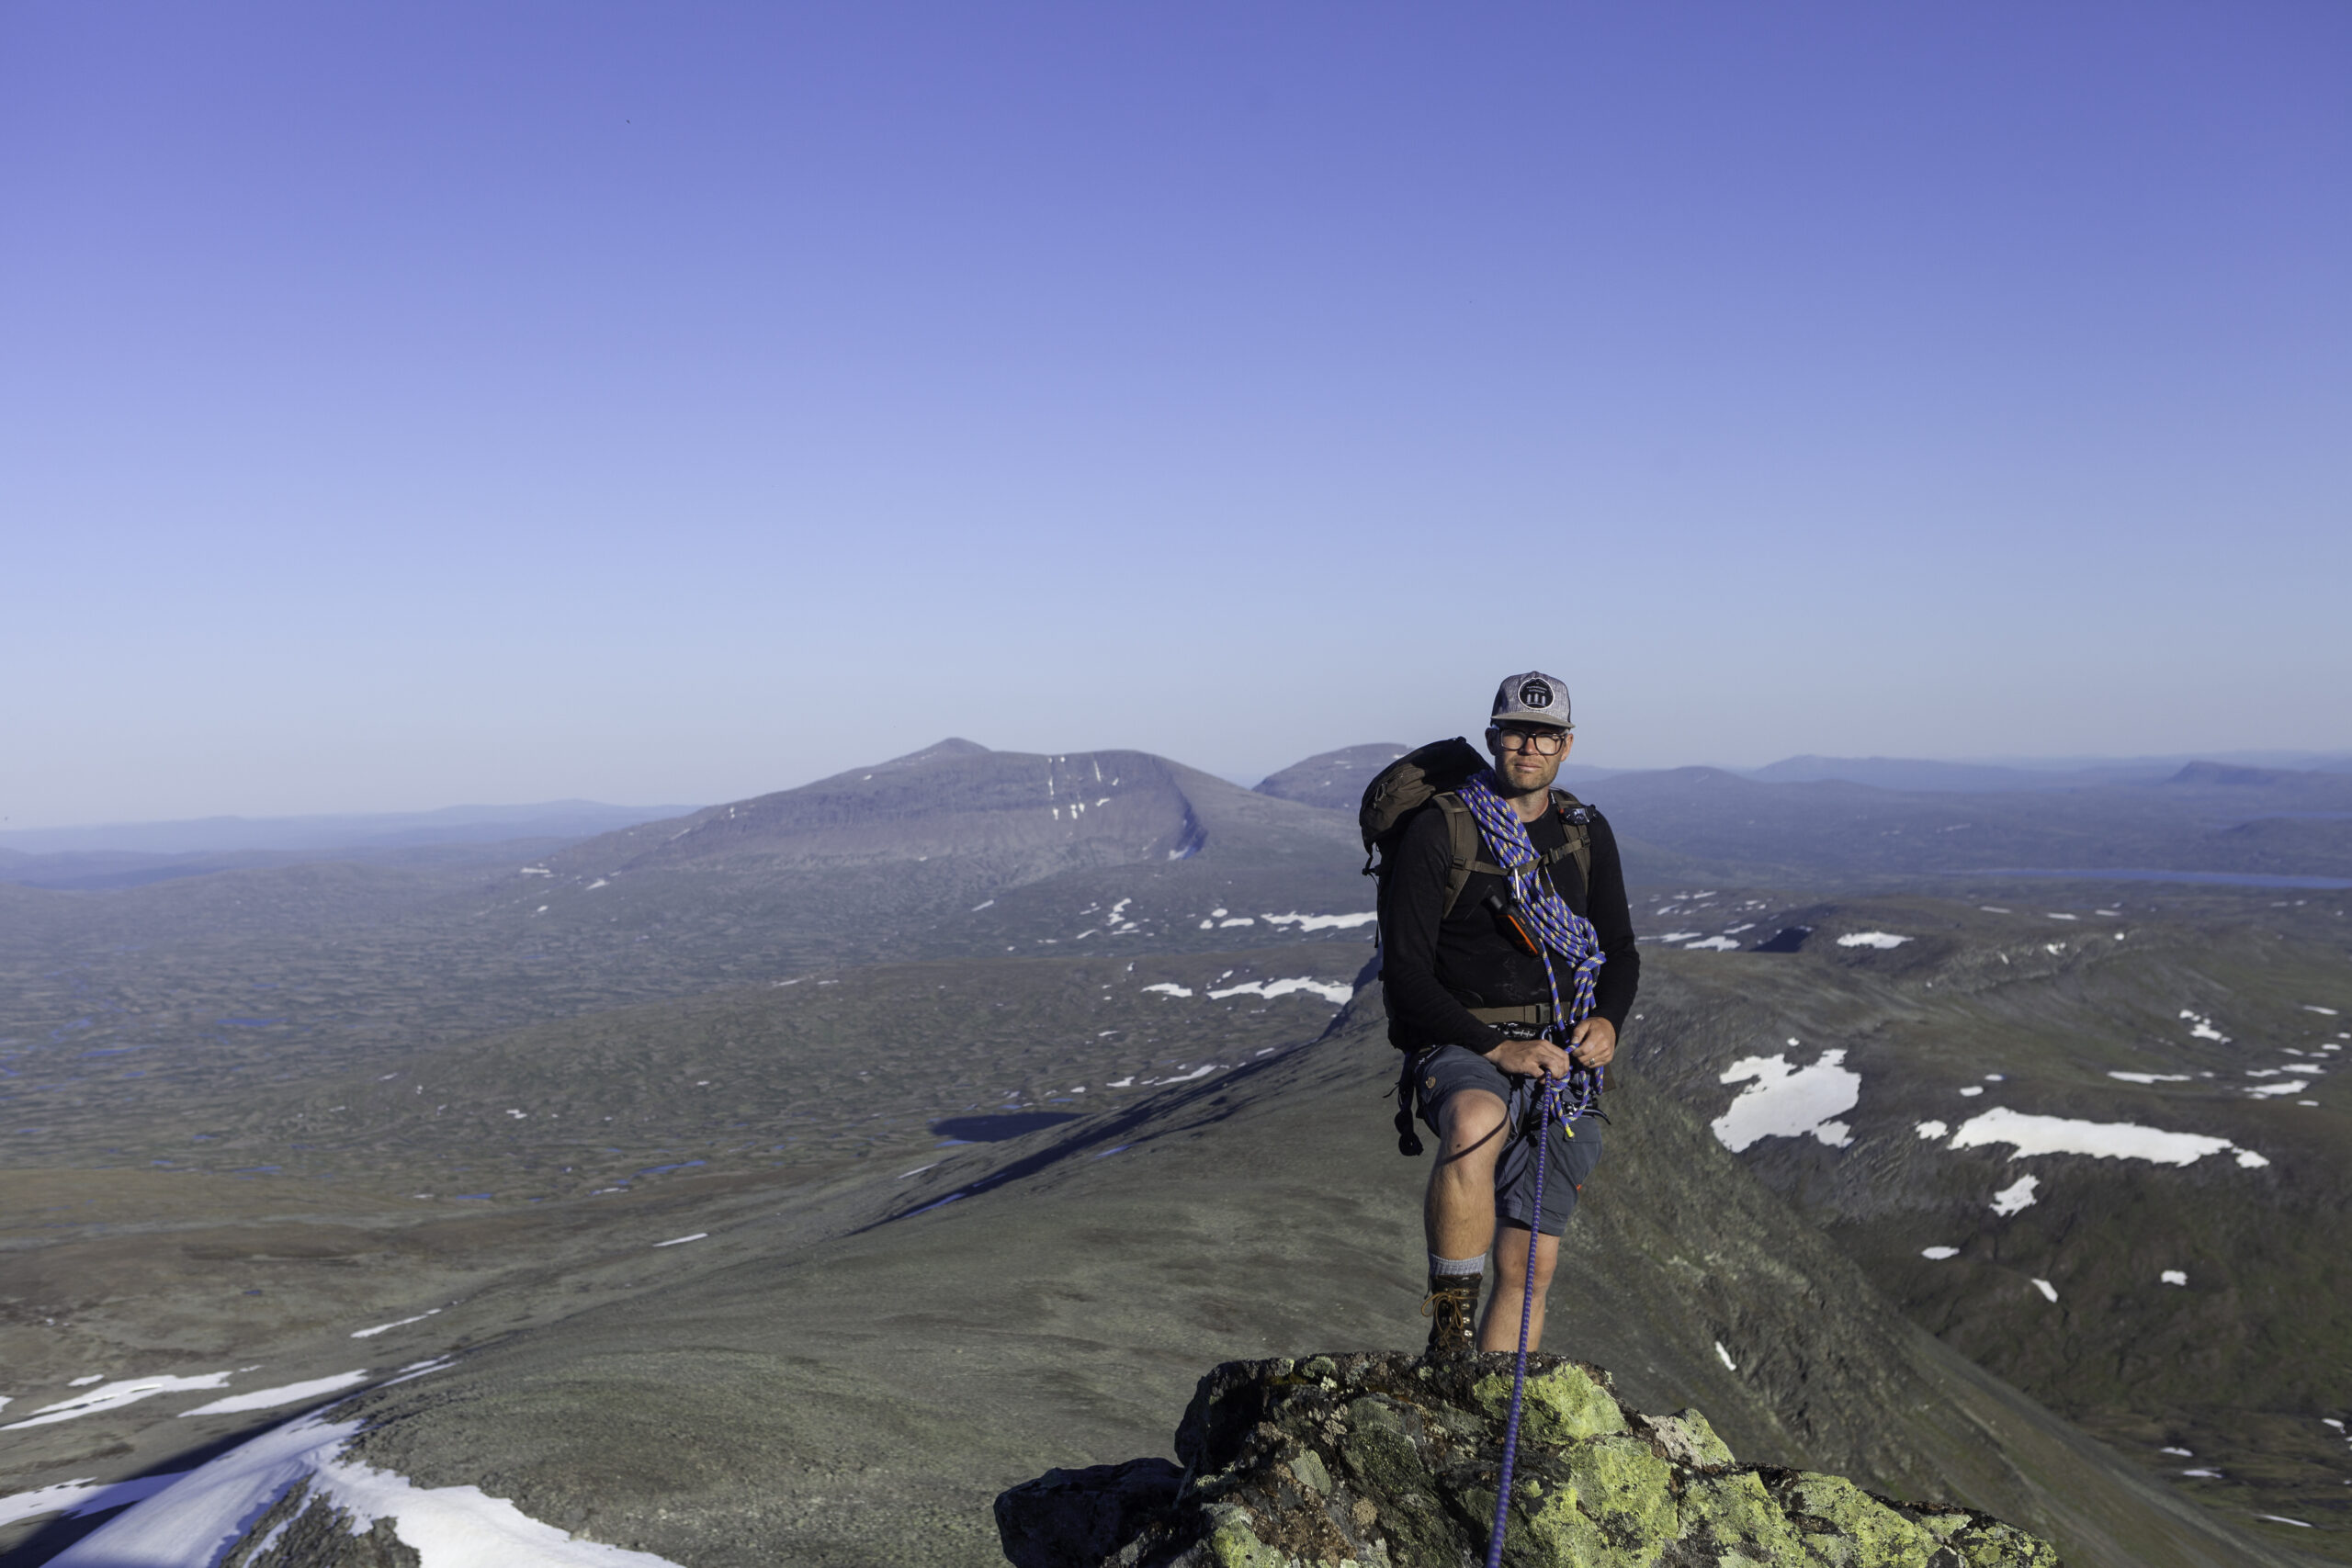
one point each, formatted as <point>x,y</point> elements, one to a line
<point>1595,1042</point>
<point>1535,1058</point>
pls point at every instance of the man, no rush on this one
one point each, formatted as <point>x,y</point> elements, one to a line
<point>1469,997</point>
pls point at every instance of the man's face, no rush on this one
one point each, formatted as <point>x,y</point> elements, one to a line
<point>1519,752</point>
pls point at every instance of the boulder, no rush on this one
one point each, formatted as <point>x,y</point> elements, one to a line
<point>1353,1461</point>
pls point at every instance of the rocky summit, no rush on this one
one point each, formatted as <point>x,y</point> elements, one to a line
<point>1361,1460</point>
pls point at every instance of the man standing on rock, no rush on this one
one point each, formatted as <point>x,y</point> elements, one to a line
<point>1506,958</point>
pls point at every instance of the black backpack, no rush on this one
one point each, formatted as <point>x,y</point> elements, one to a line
<point>1431,776</point>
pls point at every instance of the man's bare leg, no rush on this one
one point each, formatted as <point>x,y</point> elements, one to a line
<point>1458,1217</point>
<point>1458,1214</point>
<point>1498,1328</point>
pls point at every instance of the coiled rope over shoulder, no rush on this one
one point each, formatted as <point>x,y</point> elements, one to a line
<point>1557,929</point>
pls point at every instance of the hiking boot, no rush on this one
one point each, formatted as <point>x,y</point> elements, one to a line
<point>1452,1307</point>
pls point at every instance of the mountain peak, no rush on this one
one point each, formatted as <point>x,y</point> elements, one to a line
<point>954,746</point>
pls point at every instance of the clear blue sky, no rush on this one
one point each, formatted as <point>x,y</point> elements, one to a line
<point>403,404</point>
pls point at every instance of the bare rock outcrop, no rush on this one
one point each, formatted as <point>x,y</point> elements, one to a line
<point>1353,1461</point>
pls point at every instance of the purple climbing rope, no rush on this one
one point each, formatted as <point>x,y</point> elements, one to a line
<point>1560,928</point>
<point>1569,934</point>
<point>1551,1106</point>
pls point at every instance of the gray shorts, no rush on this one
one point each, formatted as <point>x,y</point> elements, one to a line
<point>1448,1071</point>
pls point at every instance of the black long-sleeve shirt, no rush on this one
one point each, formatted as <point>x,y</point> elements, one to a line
<point>1434,970</point>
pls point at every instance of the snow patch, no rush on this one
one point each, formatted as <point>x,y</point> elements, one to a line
<point>1714,944</point>
<point>2049,1290</point>
<point>1785,1101</point>
<point>1336,992</point>
<point>682,1240</point>
<point>1325,922</point>
<point>1931,1129</point>
<point>2292,1086</point>
<point>1729,1365</point>
<point>1167,988</point>
<point>2173,1277</point>
<point>2015,1197</point>
<point>2202,1027</point>
<point>1872,938</point>
<point>271,1398</point>
<point>2028,1135</point>
<point>2151,1078</point>
<point>1938,1254</point>
<point>114,1396</point>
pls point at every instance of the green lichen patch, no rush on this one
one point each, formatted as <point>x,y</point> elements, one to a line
<point>1736,1515</point>
<point>1564,1404</point>
<point>1620,1482</point>
<point>1559,1535</point>
<point>1848,1527</point>
<point>1234,1543</point>
<point>1988,1543</point>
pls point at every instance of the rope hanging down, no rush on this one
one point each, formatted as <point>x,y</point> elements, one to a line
<point>1552,1107</point>
<point>1561,931</point>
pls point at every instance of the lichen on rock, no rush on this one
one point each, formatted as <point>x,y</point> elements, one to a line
<point>1391,1461</point>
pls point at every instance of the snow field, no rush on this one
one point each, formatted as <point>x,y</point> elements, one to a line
<point>191,1522</point>
<point>1785,1101</point>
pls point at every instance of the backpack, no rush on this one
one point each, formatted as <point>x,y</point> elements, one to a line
<point>1430,775</point>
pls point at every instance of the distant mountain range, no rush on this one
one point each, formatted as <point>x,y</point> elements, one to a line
<point>382,829</point>
<point>963,823</point>
<point>1337,778</point>
<point>131,855</point>
<point>1804,821</point>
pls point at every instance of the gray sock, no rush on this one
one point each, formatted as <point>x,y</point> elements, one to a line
<point>1442,1268</point>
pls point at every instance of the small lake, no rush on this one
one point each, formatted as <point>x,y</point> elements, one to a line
<point>997,1129</point>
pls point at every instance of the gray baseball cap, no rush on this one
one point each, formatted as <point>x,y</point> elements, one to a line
<point>1532,698</point>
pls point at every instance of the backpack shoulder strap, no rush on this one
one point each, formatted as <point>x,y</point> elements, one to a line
<point>1462,836</point>
<point>1576,817</point>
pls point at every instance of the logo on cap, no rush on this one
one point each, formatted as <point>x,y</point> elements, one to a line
<point>1534,695</point>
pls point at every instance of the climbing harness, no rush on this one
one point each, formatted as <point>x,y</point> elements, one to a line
<point>1556,929</point>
